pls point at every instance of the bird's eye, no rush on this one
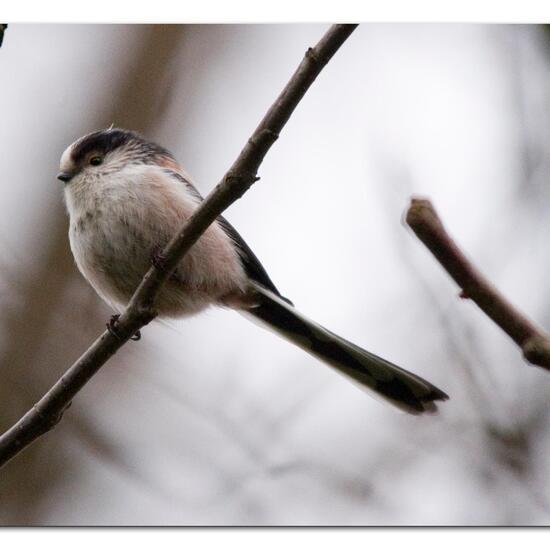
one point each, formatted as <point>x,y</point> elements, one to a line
<point>96,160</point>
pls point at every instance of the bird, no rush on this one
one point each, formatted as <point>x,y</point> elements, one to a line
<point>126,197</point>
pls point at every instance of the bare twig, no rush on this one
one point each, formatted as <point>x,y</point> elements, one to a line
<point>141,310</point>
<point>426,224</point>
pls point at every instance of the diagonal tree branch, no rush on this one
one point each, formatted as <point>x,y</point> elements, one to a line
<point>426,224</point>
<point>141,310</point>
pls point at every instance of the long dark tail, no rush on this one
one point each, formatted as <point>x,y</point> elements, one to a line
<point>398,386</point>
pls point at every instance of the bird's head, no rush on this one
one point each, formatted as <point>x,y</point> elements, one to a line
<point>106,152</point>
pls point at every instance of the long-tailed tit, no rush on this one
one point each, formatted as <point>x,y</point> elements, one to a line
<point>127,197</point>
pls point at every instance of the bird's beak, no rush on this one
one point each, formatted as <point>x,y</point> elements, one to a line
<point>64,176</point>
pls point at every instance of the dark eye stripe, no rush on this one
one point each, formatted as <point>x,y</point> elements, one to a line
<point>105,141</point>
<point>101,142</point>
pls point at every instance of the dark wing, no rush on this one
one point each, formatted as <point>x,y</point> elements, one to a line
<point>252,266</point>
<point>254,269</point>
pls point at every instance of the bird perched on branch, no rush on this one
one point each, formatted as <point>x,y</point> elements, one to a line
<point>127,197</point>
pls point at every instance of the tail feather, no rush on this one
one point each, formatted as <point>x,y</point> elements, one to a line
<point>403,389</point>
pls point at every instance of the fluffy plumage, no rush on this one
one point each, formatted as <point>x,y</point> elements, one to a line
<point>126,197</point>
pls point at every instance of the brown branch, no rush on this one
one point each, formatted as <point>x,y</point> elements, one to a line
<point>141,310</point>
<point>426,224</point>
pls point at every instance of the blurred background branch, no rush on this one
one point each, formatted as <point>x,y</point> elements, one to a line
<point>423,219</point>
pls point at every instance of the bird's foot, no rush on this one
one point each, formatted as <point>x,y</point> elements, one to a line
<point>157,258</point>
<point>111,327</point>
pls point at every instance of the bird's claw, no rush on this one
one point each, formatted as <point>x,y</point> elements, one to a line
<point>111,327</point>
<point>158,259</point>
